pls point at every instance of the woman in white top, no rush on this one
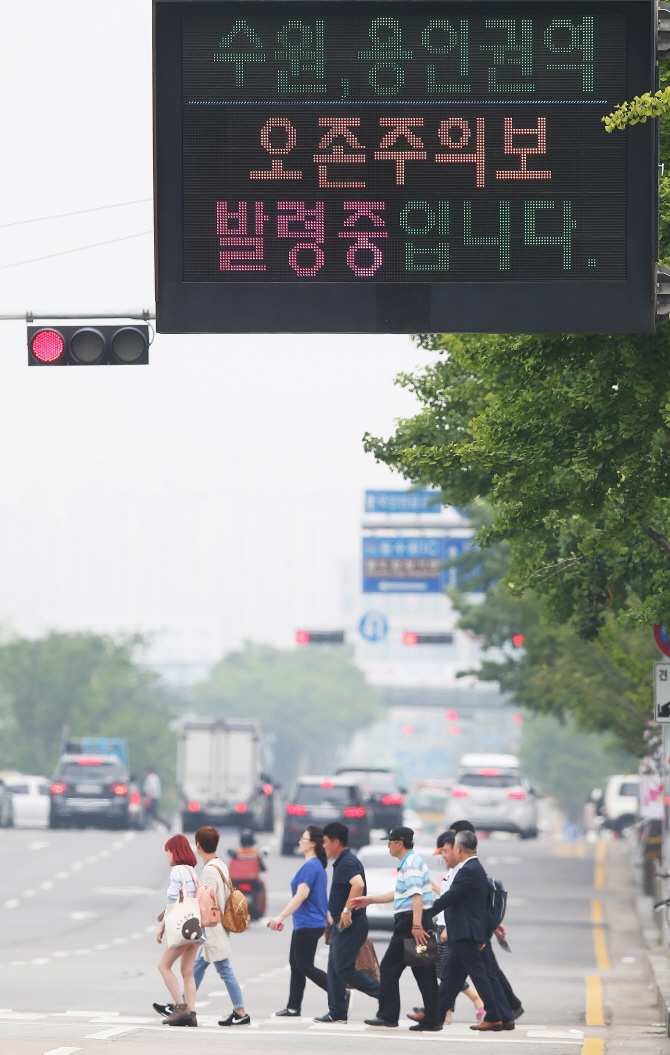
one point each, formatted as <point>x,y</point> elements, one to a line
<point>181,859</point>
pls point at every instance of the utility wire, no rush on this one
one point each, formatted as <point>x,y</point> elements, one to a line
<point>79,249</point>
<point>79,212</point>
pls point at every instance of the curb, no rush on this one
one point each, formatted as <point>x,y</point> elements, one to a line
<point>657,959</point>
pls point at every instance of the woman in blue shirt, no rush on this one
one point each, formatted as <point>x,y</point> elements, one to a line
<point>309,908</point>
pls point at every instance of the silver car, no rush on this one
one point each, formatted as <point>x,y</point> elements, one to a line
<point>494,798</point>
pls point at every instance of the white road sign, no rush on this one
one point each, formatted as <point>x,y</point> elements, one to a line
<point>662,692</point>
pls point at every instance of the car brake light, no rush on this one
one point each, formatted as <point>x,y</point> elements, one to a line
<point>326,784</point>
<point>119,789</point>
<point>244,886</point>
<point>194,807</point>
<point>516,793</point>
<point>460,793</point>
<point>135,798</point>
<point>296,811</point>
<point>88,762</point>
<point>59,789</point>
<point>392,800</point>
<point>489,772</point>
<point>354,811</point>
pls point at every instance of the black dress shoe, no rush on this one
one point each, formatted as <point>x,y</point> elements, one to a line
<point>380,1022</point>
<point>287,1013</point>
<point>420,1028</point>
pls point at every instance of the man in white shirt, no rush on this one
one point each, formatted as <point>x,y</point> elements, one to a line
<point>152,793</point>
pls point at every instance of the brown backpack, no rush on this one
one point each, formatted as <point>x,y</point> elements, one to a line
<point>235,917</point>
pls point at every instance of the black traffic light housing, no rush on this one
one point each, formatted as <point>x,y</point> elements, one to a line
<point>319,637</point>
<point>125,344</point>
<point>410,639</point>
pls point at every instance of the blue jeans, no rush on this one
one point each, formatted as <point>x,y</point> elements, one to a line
<point>345,946</point>
<point>225,972</point>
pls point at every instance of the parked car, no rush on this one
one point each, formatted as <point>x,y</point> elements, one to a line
<point>380,875</point>
<point>492,794</point>
<point>31,803</point>
<point>319,800</point>
<point>90,789</point>
<point>383,797</point>
<point>621,803</point>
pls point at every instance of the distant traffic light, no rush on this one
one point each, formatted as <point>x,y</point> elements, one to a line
<point>410,639</point>
<point>82,345</point>
<point>518,640</point>
<point>319,637</point>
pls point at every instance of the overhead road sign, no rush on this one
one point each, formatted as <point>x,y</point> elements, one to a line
<point>662,693</point>
<point>328,166</point>
<point>403,502</point>
<point>373,626</point>
<point>409,565</point>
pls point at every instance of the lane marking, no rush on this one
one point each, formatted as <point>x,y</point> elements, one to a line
<point>599,938</point>
<point>61,1051</point>
<point>593,1046</point>
<point>420,1038</point>
<point>594,1001</point>
<point>569,850</point>
<point>599,871</point>
<point>107,1034</point>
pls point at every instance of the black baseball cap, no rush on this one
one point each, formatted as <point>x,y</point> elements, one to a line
<point>400,832</point>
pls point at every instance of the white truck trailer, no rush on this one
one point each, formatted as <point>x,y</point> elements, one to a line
<point>220,777</point>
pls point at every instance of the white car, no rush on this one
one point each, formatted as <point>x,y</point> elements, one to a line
<point>621,804</point>
<point>31,801</point>
<point>491,793</point>
<point>380,874</point>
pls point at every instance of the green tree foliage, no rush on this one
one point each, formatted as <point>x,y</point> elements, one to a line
<point>310,699</point>
<point>602,686</point>
<point>94,685</point>
<point>568,764</point>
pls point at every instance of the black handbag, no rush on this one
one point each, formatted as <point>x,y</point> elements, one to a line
<point>420,955</point>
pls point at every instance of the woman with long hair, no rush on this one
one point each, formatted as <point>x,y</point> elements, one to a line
<point>181,860</point>
<point>309,908</point>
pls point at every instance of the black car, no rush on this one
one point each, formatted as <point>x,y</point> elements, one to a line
<point>381,793</point>
<point>320,800</point>
<point>90,789</point>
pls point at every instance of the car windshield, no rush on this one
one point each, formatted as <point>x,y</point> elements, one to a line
<point>315,795</point>
<point>372,782</point>
<point>490,780</point>
<point>629,790</point>
<point>103,771</point>
<point>19,789</point>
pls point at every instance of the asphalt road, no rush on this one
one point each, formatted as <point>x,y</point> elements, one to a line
<point>78,953</point>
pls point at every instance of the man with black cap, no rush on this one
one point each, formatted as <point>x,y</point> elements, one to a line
<point>412,902</point>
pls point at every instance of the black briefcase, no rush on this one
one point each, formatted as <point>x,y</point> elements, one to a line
<point>420,955</point>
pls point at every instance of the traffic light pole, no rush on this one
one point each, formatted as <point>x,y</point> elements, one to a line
<point>143,316</point>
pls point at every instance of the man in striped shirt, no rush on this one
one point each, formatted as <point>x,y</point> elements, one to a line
<point>412,901</point>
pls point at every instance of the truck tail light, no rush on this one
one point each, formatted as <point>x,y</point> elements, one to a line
<point>354,811</point>
<point>194,807</point>
<point>460,793</point>
<point>296,811</point>
<point>516,793</point>
<point>59,789</point>
<point>392,800</point>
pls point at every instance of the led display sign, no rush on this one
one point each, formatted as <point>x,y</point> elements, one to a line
<point>402,166</point>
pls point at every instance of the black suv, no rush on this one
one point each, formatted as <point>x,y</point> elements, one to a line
<point>320,800</point>
<point>381,794</point>
<point>89,789</point>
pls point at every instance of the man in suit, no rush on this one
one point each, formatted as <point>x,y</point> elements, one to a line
<point>464,906</point>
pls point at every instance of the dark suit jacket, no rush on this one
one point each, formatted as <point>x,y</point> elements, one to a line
<point>464,904</point>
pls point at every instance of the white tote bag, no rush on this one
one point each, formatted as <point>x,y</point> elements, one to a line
<point>182,919</point>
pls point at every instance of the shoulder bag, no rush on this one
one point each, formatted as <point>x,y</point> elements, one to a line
<point>183,924</point>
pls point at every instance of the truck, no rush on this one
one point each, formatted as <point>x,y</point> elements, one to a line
<point>220,778</point>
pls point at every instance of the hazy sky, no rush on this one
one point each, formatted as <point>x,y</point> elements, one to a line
<point>211,496</point>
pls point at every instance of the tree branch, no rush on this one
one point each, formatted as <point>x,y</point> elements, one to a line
<point>655,537</point>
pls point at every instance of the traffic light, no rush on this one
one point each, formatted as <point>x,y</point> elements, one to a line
<point>319,637</point>
<point>83,345</point>
<point>410,639</point>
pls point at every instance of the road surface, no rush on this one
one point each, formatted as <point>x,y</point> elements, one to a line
<point>78,956</point>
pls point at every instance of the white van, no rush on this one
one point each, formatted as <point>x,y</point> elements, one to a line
<point>622,801</point>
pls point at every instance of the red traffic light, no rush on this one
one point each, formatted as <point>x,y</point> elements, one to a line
<point>47,346</point>
<point>518,640</point>
<point>301,637</point>
<point>409,639</point>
